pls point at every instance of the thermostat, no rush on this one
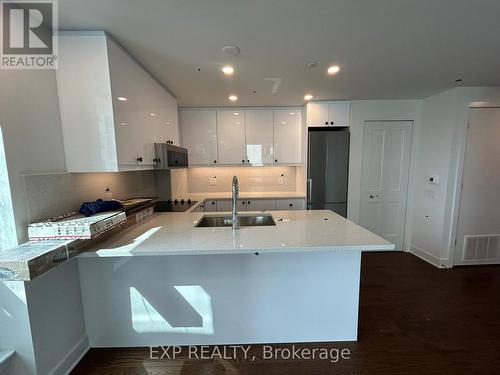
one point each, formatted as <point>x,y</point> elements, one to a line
<point>434,180</point>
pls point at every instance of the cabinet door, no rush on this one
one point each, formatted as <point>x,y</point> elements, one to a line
<point>318,114</point>
<point>259,136</point>
<point>290,204</point>
<point>287,136</point>
<point>210,206</point>
<point>231,137</point>
<point>224,205</point>
<point>340,113</point>
<point>261,205</point>
<point>136,117</point>
<point>199,136</point>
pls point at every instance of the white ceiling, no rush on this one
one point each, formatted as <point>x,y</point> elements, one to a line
<point>387,49</point>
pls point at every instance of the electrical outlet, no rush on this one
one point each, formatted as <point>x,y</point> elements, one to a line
<point>281,180</point>
<point>212,181</point>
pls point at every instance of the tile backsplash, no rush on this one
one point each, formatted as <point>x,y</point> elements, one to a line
<point>197,180</point>
<point>49,195</point>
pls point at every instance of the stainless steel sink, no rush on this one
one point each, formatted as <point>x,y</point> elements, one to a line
<point>243,220</point>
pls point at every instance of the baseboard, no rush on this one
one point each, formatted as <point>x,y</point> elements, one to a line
<point>429,258</point>
<point>74,356</point>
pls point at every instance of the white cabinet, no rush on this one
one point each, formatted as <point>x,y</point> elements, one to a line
<point>260,204</point>
<point>112,110</point>
<point>290,204</point>
<point>242,137</point>
<point>287,136</point>
<point>259,136</point>
<point>335,113</point>
<point>199,135</point>
<point>231,137</point>
<point>210,206</point>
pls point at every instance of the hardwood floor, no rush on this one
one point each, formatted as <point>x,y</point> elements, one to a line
<point>414,319</point>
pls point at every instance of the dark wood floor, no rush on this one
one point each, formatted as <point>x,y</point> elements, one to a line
<point>414,319</point>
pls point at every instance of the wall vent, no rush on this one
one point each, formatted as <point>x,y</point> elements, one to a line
<point>481,247</point>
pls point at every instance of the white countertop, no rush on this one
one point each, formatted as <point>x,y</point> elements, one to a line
<point>245,195</point>
<point>174,233</point>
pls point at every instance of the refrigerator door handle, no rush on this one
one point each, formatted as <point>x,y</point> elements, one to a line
<point>309,192</point>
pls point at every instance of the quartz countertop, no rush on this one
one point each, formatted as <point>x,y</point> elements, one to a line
<point>173,233</point>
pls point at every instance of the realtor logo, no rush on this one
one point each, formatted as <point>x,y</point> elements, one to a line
<point>29,39</point>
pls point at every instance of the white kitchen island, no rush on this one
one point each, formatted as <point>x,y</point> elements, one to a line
<point>165,282</point>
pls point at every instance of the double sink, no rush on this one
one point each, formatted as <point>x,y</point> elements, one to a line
<point>244,221</point>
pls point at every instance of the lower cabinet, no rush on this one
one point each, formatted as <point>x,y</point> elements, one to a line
<point>225,205</point>
<point>290,204</point>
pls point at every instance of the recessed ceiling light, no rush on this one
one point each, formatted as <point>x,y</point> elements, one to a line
<point>283,122</point>
<point>238,122</point>
<point>228,70</point>
<point>122,98</point>
<point>152,114</point>
<point>308,97</point>
<point>334,69</point>
<point>123,123</point>
<point>236,113</point>
<point>292,113</point>
<point>233,98</point>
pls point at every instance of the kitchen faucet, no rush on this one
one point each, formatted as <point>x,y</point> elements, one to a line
<point>235,196</point>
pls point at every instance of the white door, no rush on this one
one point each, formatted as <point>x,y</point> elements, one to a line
<point>287,136</point>
<point>478,231</point>
<point>259,136</point>
<point>199,136</point>
<point>318,113</point>
<point>384,186</point>
<point>231,137</point>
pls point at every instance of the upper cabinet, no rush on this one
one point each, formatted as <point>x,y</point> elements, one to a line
<point>112,110</point>
<point>337,113</point>
<point>252,137</point>
<point>287,136</point>
<point>231,137</point>
<point>260,136</point>
<point>199,135</point>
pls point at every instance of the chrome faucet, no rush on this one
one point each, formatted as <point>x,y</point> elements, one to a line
<point>236,194</point>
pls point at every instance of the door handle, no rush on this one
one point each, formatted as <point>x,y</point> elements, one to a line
<point>309,188</point>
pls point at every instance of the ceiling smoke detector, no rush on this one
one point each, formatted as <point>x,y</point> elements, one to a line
<point>231,51</point>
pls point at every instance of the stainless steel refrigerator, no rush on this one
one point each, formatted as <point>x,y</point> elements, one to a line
<point>327,169</point>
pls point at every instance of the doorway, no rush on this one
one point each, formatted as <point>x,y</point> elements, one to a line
<point>384,181</point>
<point>478,226</point>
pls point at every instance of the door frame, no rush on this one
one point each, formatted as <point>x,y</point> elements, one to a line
<point>410,162</point>
<point>457,198</point>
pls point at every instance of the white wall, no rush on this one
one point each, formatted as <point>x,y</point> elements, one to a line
<point>29,117</point>
<point>378,110</point>
<point>440,152</point>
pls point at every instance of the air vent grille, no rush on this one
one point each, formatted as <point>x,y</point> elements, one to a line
<point>481,247</point>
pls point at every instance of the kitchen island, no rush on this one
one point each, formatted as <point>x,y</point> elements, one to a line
<point>167,282</point>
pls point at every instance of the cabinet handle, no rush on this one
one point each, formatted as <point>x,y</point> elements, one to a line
<point>215,161</point>
<point>248,202</point>
<point>213,203</point>
<point>291,204</point>
<point>326,122</point>
<point>243,202</point>
<point>139,160</point>
<point>248,161</point>
<point>243,161</point>
<point>275,160</point>
<point>332,123</point>
<point>176,161</point>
